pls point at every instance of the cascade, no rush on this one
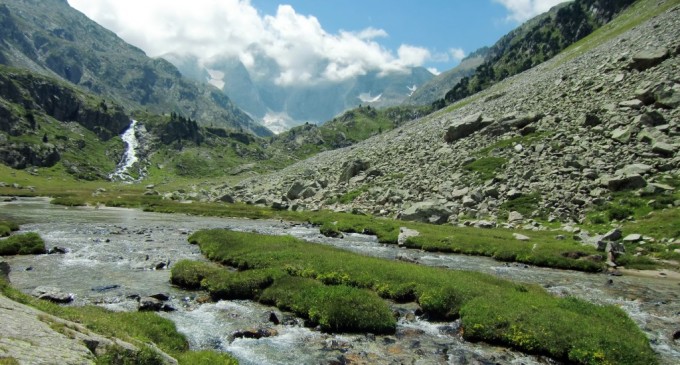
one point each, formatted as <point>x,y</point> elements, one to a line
<point>130,159</point>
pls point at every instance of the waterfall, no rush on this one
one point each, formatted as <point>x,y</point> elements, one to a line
<point>130,159</point>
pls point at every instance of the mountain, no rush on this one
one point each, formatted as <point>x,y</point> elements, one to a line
<point>591,135</point>
<point>53,39</point>
<point>536,41</point>
<point>281,107</point>
<point>438,86</point>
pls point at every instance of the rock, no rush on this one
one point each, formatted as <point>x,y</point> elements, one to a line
<point>615,248</point>
<point>4,270</point>
<point>57,250</point>
<point>485,224</point>
<point>427,211</point>
<point>402,257</point>
<point>627,182</point>
<point>647,59</point>
<point>666,97</point>
<point>633,104</point>
<point>520,237</point>
<point>228,198</point>
<point>295,190</point>
<point>52,294</point>
<point>663,149</point>
<point>633,237</point>
<point>273,318</point>
<point>149,304</point>
<point>279,204</point>
<point>638,168</point>
<point>466,127</point>
<point>613,235</point>
<point>513,194</point>
<point>160,296</point>
<point>406,233</point>
<point>459,193</point>
<point>676,335</point>
<point>255,333</point>
<point>351,169</point>
<point>622,134</point>
<point>104,288</point>
<point>590,120</point>
<point>650,119</point>
<point>515,217</point>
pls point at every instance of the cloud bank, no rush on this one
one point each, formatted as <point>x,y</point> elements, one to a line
<point>211,29</point>
<point>521,10</point>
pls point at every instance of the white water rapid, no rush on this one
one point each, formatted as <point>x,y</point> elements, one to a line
<point>123,171</point>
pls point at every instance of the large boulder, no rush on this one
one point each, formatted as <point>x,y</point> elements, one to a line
<point>405,234</point>
<point>466,127</point>
<point>648,58</point>
<point>351,169</point>
<point>627,182</point>
<point>52,294</point>
<point>428,211</point>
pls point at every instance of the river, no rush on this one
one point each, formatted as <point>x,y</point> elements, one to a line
<point>122,253</point>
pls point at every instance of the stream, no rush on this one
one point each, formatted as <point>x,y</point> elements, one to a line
<point>115,254</point>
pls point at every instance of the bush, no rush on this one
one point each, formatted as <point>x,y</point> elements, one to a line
<point>7,227</point>
<point>122,356</point>
<point>22,244</point>
<point>619,213</point>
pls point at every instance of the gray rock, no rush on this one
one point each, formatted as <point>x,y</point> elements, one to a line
<point>663,149</point>
<point>615,247</point>
<point>351,169</point>
<point>590,119</point>
<point>613,235</point>
<point>227,198</point>
<point>150,304</point>
<point>406,233</point>
<point>647,59</point>
<point>515,217</point>
<point>4,270</point>
<point>513,194</point>
<point>627,182</point>
<point>633,237</point>
<point>466,127</point>
<point>427,211</point>
<point>622,134</point>
<point>520,237</point>
<point>633,103</point>
<point>295,190</point>
<point>633,169</point>
<point>52,294</point>
<point>650,119</point>
<point>459,193</point>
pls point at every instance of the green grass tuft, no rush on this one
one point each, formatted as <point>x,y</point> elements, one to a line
<point>22,244</point>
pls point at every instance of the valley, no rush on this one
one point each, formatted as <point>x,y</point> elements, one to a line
<point>529,215</point>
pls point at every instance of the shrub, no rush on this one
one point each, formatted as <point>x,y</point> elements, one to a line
<point>22,244</point>
<point>618,213</point>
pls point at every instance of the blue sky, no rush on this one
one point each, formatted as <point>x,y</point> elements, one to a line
<point>315,41</point>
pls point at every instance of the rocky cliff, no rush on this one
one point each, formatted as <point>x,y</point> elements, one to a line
<point>559,139</point>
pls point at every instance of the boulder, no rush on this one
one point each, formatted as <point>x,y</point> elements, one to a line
<point>52,294</point>
<point>622,134</point>
<point>613,235</point>
<point>590,119</point>
<point>427,211</point>
<point>295,190</point>
<point>351,169</point>
<point>255,333</point>
<point>520,237</point>
<point>228,198</point>
<point>618,183</point>
<point>406,233</point>
<point>663,149</point>
<point>466,127</point>
<point>150,304</point>
<point>515,217</point>
<point>636,168</point>
<point>633,237</point>
<point>648,58</point>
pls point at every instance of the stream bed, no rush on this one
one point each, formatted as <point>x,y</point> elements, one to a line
<point>115,255</point>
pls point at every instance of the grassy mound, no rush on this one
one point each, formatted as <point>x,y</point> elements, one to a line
<point>22,244</point>
<point>339,289</point>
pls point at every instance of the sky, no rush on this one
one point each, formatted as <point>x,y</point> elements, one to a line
<point>316,40</point>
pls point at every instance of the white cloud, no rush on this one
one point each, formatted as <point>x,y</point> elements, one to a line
<point>521,10</point>
<point>433,71</point>
<point>457,53</point>
<point>212,29</point>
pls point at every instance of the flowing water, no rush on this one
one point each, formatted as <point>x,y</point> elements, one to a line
<point>123,171</point>
<point>115,254</point>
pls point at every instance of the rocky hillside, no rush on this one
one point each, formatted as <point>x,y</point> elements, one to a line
<point>438,86</point>
<point>51,38</point>
<point>556,141</point>
<point>536,41</point>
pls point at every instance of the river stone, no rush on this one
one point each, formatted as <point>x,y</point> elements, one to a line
<point>404,234</point>
<point>4,270</point>
<point>52,294</point>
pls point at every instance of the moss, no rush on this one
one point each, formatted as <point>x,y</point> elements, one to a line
<point>486,167</point>
<point>22,244</point>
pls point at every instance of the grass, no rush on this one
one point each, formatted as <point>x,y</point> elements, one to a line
<point>7,227</point>
<point>139,328</point>
<point>486,167</point>
<point>22,244</point>
<point>525,204</point>
<point>338,288</point>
